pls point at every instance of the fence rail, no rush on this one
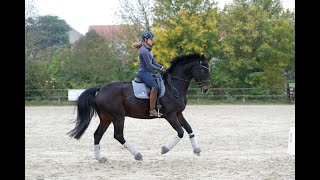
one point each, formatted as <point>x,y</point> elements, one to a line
<point>42,94</point>
<point>193,93</point>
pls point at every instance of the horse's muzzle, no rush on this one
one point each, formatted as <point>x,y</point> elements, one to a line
<point>205,88</point>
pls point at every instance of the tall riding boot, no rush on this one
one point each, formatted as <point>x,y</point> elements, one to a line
<point>153,99</point>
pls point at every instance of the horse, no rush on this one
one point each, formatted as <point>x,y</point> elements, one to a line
<point>115,101</point>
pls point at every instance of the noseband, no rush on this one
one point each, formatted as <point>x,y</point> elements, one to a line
<point>202,81</point>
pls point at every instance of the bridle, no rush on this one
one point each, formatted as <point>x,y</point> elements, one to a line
<point>202,81</point>
<point>199,83</point>
<point>174,90</point>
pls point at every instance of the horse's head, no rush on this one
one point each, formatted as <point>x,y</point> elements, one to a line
<point>192,66</point>
<point>201,73</point>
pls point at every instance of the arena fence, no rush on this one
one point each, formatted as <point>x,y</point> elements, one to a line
<point>235,94</point>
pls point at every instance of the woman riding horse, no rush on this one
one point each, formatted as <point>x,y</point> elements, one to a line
<point>147,64</point>
<point>115,101</point>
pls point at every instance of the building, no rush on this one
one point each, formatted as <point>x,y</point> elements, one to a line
<point>74,36</point>
<point>110,32</point>
<point>118,36</point>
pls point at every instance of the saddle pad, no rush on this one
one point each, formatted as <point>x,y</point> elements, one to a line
<point>142,91</point>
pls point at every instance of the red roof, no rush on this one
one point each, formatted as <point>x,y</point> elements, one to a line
<point>110,32</point>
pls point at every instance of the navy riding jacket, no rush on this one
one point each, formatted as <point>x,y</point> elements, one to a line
<point>146,57</point>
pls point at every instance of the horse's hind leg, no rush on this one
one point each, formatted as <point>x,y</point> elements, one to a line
<point>187,127</point>
<point>105,121</point>
<point>118,124</point>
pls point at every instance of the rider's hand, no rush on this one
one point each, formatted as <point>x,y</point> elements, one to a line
<point>163,70</point>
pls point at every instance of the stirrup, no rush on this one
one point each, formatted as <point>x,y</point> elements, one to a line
<point>158,114</point>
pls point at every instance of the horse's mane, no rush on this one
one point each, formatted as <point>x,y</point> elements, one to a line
<point>183,59</point>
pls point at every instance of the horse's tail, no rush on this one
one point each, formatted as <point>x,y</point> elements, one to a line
<point>87,108</point>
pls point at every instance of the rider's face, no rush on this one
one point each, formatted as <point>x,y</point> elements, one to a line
<point>150,41</point>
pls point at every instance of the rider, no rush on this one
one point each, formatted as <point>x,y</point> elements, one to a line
<point>147,64</point>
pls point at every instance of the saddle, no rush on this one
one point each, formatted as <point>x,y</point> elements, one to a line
<point>142,91</point>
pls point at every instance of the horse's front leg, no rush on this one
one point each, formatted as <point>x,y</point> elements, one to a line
<point>187,127</point>
<point>118,135</point>
<point>174,122</point>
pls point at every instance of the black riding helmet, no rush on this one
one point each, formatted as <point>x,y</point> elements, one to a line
<point>146,35</point>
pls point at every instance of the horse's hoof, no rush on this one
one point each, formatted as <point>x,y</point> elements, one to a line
<point>164,150</point>
<point>197,151</point>
<point>103,160</point>
<point>138,157</point>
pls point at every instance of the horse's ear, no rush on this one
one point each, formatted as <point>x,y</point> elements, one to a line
<point>203,58</point>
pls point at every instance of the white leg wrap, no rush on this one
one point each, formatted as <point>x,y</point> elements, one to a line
<point>130,148</point>
<point>194,142</point>
<point>97,154</point>
<point>172,143</point>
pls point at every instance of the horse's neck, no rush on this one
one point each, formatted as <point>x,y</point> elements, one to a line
<point>180,84</point>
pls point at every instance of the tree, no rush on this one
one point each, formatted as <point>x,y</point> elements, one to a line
<point>137,17</point>
<point>91,62</point>
<point>53,30</point>
<point>190,27</point>
<point>136,12</point>
<point>165,11</point>
<point>180,26</point>
<point>36,75</point>
<point>259,45</point>
<point>44,33</point>
<point>30,10</point>
<point>30,36</point>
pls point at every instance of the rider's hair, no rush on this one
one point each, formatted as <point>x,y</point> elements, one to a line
<point>137,45</point>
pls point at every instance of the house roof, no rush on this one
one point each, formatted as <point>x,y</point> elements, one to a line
<point>107,31</point>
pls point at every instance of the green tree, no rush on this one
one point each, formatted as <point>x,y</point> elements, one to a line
<point>165,11</point>
<point>52,31</point>
<point>192,29</point>
<point>180,26</point>
<point>90,62</point>
<point>36,75</point>
<point>43,33</point>
<point>258,47</point>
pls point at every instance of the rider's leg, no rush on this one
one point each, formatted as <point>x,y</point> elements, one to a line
<point>147,78</point>
<point>153,99</point>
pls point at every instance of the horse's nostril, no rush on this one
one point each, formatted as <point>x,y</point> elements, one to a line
<point>205,91</point>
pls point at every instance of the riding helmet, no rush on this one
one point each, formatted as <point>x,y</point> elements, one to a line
<point>147,35</point>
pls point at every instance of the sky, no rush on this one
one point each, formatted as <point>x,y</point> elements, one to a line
<point>80,14</point>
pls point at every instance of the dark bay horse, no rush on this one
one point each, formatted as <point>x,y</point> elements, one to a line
<point>113,102</point>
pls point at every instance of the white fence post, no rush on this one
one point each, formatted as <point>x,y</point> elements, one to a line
<point>73,94</point>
